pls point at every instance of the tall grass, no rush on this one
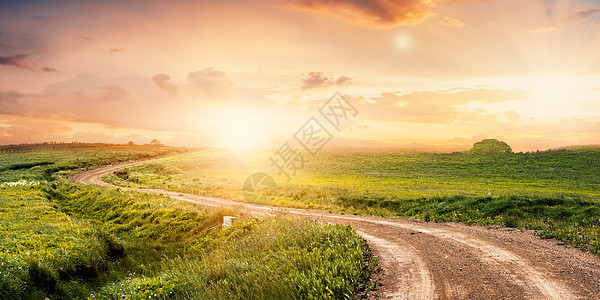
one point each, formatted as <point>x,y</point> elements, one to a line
<point>44,251</point>
<point>61,240</point>
<point>274,258</point>
<point>554,192</point>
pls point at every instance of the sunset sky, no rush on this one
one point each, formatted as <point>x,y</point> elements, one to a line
<point>248,74</point>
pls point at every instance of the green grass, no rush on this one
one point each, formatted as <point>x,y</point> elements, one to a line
<point>61,240</point>
<point>274,258</point>
<point>43,248</point>
<point>555,192</point>
<point>176,249</point>
<point>393,175</point>
<point>39,163</point>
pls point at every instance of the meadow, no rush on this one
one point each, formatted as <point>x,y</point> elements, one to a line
<point>62,240</point>
<point>555,192</point>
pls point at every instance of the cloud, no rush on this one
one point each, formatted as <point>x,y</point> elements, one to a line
<point>342,80</point>
<point>452,22</point>
<point>39,18</point>
<point>131,104</point>
<point>584,13</point>
<point>468,141</point>
<point>10,96</point>
<point>441,107</point>
<point>391,107</point>
<point>17,129</point>
<point>373,13</point>
<point>461,95</point>
<point>210,83</point>
<point>562,133</point>
<point>49,69</point>
<point>319,79</point>
<point>115,50</point>
<point>18,61</point>
<point>137,102</point>
<point>581,14</point>
<point>162,80</point>
<point>573,128</point>
<point>513,116</point>
<point>542,30</point>
<point>27,130</point>
<point>110,93</point>
<point>125,101</point>
<point>94,137</point>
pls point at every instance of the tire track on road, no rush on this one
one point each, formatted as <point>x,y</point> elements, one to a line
<point>425,260</point>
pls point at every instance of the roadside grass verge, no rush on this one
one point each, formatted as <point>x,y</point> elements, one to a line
<point>61,240</point>
<point>46,252</point>
<point>272,258</point>
<point>553,192</point>
<point>178,249</point>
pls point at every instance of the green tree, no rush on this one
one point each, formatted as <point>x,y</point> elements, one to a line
<point>491,146</point>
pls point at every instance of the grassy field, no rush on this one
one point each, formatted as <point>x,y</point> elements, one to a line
<point>41,161</point>
<point>556,192</point>
<point>61,240</point>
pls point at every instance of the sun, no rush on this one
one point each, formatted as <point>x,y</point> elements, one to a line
<point>242,129</point>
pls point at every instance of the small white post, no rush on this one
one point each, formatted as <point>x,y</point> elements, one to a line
<point>227,221</point>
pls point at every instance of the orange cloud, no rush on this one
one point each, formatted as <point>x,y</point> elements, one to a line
<point>513,116</point>
<point>319,79</point>
<point>435,106</point>
<point>452,22</point>
<point>18,61</point>
<point>10,96</point>
<point>461,95</point>
<point>137,102</point>
<point>542,30</point>
<point>162,80</point>
<point>18,129</point>
<point>581,14</point>
<point>377,13</point>
<point>127,101</point>
<point>210,83</point>
<point>15,129</point>
<point>49,69</point>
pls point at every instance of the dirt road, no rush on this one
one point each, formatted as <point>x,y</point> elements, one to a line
<point>423,260</point>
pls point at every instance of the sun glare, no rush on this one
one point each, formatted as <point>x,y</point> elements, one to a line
<point>553,89</point>
<point>242,130</point>
<point>403,42</point>
<point>550,97</point>
<point>555,96</point>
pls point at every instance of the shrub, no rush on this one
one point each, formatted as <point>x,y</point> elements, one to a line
<point>491,146</point>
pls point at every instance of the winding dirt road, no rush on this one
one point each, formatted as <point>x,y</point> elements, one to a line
<point>423,260</point>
